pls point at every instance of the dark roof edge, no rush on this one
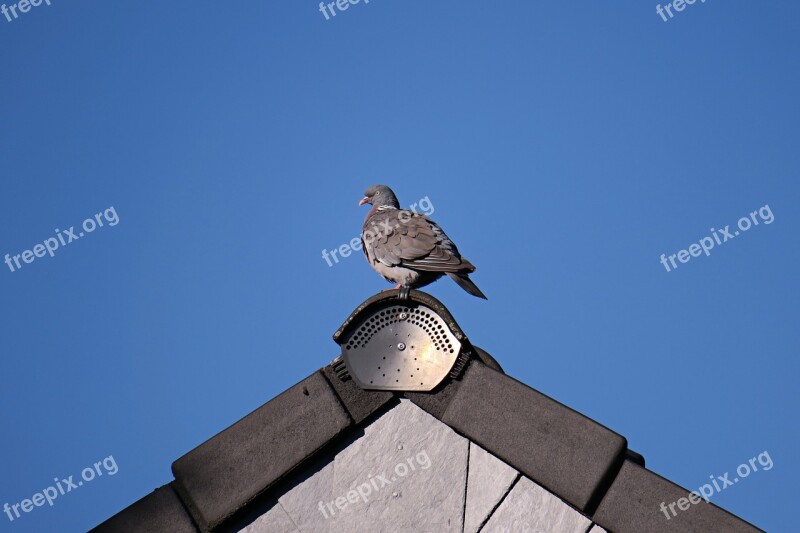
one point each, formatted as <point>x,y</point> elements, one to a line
<point>578,473</point>
<point>227,472</point>
<point>161,510</point>
<point>398,295</point>
<point>571,455</point>
<point>634,501</point>
<point>588,475</point>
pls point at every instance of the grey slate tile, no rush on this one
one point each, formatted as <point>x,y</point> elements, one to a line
<point>301,502</point>
<point>223,474</point>
<point>412,470</point>
<point>358,402</point>
<point>406,471</point>
<point>528,507</point>
<point>157,512</point>
<point>633,504</point>
<point>564,451</point>
<point>488,481</point>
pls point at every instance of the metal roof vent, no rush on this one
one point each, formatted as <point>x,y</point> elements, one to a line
<point>401,340</point>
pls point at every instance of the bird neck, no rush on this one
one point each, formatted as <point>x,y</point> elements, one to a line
<point>377,209</point>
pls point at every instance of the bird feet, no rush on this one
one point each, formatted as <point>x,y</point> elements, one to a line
<point>396,287</point>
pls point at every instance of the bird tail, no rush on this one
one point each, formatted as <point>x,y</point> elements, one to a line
<point>465,283</point>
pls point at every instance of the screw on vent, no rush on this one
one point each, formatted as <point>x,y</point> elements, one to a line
<point>404,346</point>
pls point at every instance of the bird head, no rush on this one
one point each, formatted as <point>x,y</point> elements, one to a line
<point>379,195</point>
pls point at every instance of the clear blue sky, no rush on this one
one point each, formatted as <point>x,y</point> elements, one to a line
<point>564,146</point>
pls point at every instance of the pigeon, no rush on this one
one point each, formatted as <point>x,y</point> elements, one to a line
<point>408,248</point>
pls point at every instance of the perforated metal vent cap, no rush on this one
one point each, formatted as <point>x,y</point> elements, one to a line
<point>399,345</point>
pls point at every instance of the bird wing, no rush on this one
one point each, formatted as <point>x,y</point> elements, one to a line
<point>401,237</point>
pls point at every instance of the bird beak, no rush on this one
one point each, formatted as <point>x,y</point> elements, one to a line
<point>364,200</point>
